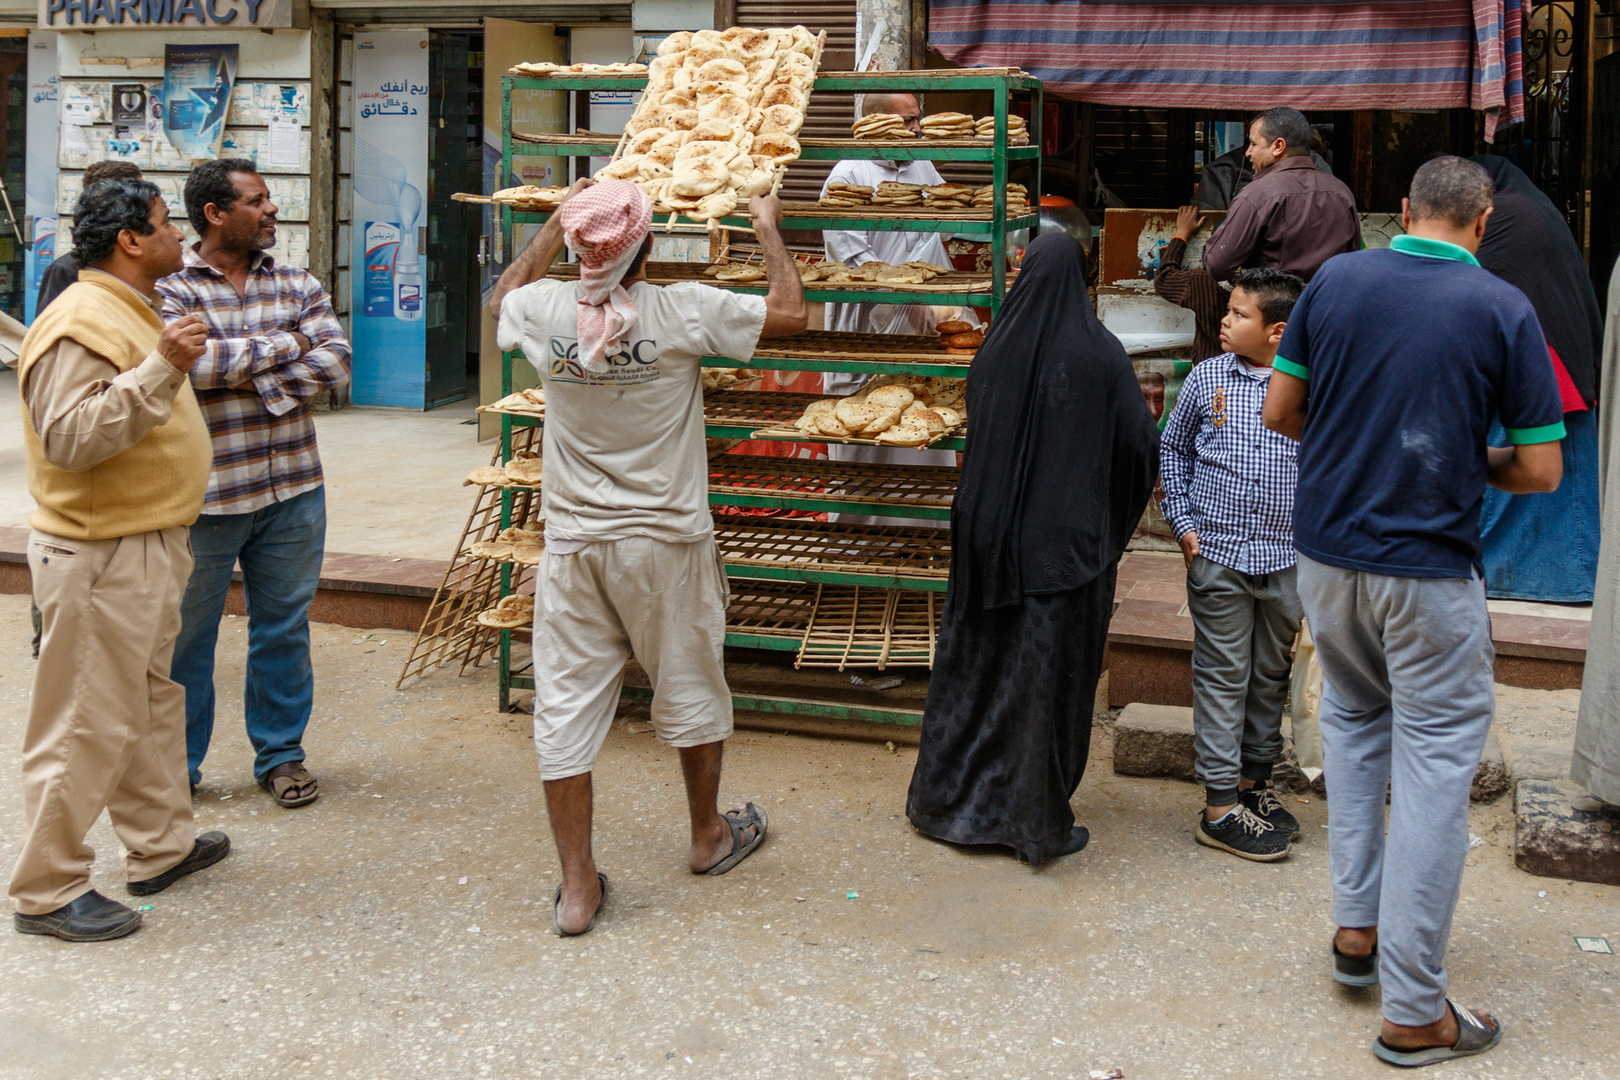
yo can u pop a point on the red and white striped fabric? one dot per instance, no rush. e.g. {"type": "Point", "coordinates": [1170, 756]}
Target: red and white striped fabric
{"type": "Point", "coordinates": [604, 225]}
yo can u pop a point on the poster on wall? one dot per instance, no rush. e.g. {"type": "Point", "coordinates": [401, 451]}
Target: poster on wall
{"type": "Point", "coordinates": [197, 81]}
{"type": "Point", "coordinates": [39, 179]}
{"type": "Point", "coordinates": [390, 189]}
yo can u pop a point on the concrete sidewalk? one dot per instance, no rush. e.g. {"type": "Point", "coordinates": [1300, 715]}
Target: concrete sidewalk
{"type": "Point", "coordinates": [401, 925]}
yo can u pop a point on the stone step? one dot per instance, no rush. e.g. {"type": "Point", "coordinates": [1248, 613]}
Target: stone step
{"type": "Point", "coordinates": [1562, 832]}
{"type": "Point", "coordinates": [1157, 740]}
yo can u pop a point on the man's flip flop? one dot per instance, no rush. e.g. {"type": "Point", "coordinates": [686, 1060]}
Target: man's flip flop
{"type": "Point", "coordinates": [1473, 1037]}
{"type": "Point", "coordinates": [1355, 970]}
{"type": "Point", "coordinates": [741, 820]}
{"type": "Point", "coordinates": [556, 898]}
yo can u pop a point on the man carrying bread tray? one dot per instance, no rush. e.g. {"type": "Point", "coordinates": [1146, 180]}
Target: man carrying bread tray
{"type": "Point", "coordinates": [901, 112]}
{"type": "Point", "coordinates": [630, 563]}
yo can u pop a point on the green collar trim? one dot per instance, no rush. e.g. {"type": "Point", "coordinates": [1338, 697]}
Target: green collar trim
{"type": "Point", "coordinates": [1432, 249]}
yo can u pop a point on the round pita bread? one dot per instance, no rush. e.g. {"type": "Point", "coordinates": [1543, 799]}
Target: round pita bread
{"type": "Point", "coordinates": [682, 120]}
{"type": "Point", "coordinates": [782, 94]}
{"type": "Point", "coordinates": [905, 435]}
{"type": "Point", "coordinates": [675, 43]}
{"type": "Point", "coordinates": [729, 107]}
{"type": "Point", "coordinates": [700, 53]}
{"type": "Point", "coordinates": [645, 139]}
{"type": "Point", "coordinates": [804, 41]}
{"type": "Point", "coordinates": [780, 119]}
{"type": "Point", "coordinates": [855, 413]}
{"type": "Point", "coordinates": [714, 131]}
{"type": "Point", "coordinates": [708, 37]}
{"type": "Point", "coordinates": [696, 179]}
{"type": "Point", "coordinates": [686, 80]}
{"type": "Point", "coordinates": [829, 424]}
{"type": "Point", "coordinates": [760, 71]}
{"type": "Point", "coordinates": [722, 152]}
{"type": "Point", "coordinates": [891, 397]}
{"type": "Point", "coordinates": [652, 170]}
{"type": "Point", "coordinates": [780, 149]}
{"type": "Point", "coordinates": [759, 182]}
{"type": "Point", "coordinates": [716, 205]}
{"type": "Point", "coordinates": [754, 44]}
{"type": "Point", "coordinates": [623, 169]}
{"type": "Point", "coordinates": [724, 70]}
{"type": "Point", "coordinates": [795, 64]}
{"type": "Point", "coordinates": [664, 67]}
{"type": "Point", "coordinates": [676, 99]}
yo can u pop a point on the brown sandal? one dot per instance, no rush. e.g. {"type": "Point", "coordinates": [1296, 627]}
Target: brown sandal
{"type": "Point", "coordinates": [290, 784]}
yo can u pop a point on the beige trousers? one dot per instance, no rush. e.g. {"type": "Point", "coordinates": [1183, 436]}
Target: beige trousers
{"type": "Point", "coordinates": [106, 725]}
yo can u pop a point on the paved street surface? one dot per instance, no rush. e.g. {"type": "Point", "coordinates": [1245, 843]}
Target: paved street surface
{"type": "Point", "coordinates": [401, 925]}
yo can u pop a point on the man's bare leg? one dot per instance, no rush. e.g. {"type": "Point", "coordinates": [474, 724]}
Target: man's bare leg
{"type": "Point", "coordinates": [1443, 1032]}
{"type": "Point", "coordinates": [1357, 941]}
{"type": "Point", "coordinates": [711, 836]}
{"type": "Point", "coordinates": [568, 804]}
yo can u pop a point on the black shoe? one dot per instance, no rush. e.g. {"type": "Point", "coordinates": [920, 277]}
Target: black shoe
{"type": "Point", "coordinates": [92, 917]}
{"type": "Point", "coordinates": [208, 850]}
{"type": "Point", "coordinates": [1264, 804]}
{"type": "Point", "coordinates": [1244, 835]}
{"type": "Point", "coordinates": [1079, 837]}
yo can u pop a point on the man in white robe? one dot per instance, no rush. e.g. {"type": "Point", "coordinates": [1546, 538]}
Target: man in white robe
{"type": "Point", "coordinates": [855, 248]}
{"type": "Point", "coordinates": [1597, 732]}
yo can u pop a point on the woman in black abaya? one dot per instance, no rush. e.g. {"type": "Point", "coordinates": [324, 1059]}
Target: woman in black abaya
{"type": "Point", "coordinates": [1060, 459]}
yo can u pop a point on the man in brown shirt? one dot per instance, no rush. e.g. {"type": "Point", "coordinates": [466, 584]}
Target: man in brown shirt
{"type": "Point", "coordinates": [1193, 288]}
{"type": "Point", "coordinates": [1291, 217]}
{"type": "Point", "coordinates": [118, 458]}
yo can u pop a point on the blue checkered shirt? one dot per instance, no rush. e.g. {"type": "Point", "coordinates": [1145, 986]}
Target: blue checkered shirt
{"type": "Point", "coordinates": [1225, 476]}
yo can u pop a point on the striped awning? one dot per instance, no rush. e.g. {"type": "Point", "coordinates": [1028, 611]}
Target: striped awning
{"type": "Point", "coordinates": [1236, 54]}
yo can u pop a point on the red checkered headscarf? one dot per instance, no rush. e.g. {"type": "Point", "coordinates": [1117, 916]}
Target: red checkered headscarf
{"type": "Point", "coordinates": [604, 225]}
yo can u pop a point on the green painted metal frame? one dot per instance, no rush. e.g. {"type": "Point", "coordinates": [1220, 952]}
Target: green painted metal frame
{"type": "Point", "coordinates": [1000, 156]}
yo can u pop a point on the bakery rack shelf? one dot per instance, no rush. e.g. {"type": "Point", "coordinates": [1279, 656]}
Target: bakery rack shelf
{"type": "Point", "coordinates": [587, 145]}
{"type": "Point", "coordinates": [833, 594]}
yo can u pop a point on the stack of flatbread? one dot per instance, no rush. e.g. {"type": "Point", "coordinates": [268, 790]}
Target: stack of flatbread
{"type": "Point", "coordinates": [947, 125]}
{"type": "Point", "coordinates": [529, 197]}
{"type": "Point", "coordinates": [893, 193]}
{"type": "Point", "coordinates": [718, 118]}
{"type": "Point", "coordinates": [896, 410]}
{"type": "Point", "coordinates": [488, 476]}
{"type": "Point", "coordinates": [509, 544]}
{"type": "Point", "coordinates": [531, 401]}
{"type": "Point", "coordinates": [839, 193]}
{"type": "Point", "coordinates": [881, 126]}
{"type": "Point", "coordinates": [1017, 129]}
{"type": "Point", "coordinates": [960, 338]}
{"type": "Point", "coordinates": [524, 469]}
{"type": "Point", "coordinates": [542, 69]}
{"type": "Point", "coordinates": [512, 613]}
{"type": "Point", "coordinates": [948, 196]}
{"type": "Point", "coordinates": [1017, 196]}
{"type": "Point", "coordinates": [721, 379]}
{"type": "Point", "coordinates": [879, 273]}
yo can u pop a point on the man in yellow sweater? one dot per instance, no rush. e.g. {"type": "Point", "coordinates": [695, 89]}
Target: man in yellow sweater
{"type": "Point", "coordinates": [118, 459]}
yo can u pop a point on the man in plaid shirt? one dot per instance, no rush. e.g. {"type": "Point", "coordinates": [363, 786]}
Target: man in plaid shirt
{"type": "Point", "coordinates": [1229, 496]}
{"type": "Point", "coordinates": [273, 342]}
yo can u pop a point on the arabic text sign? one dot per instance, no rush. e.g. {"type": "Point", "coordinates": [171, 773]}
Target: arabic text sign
{"type": "Point", "coordinates": [141, 14]}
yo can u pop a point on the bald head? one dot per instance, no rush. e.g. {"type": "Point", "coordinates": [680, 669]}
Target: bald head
{"type": "Point", "coordinates": [902, 105]}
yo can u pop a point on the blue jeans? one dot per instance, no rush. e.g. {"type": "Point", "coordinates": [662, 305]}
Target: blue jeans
{"type": "Point", "coordinates": [280, 549]}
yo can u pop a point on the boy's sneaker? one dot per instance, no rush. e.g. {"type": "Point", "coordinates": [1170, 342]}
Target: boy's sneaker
{"type": "Point", "coordinates": [1243, 834]}
{"type": "Point", "coordinates": [1264, 804]}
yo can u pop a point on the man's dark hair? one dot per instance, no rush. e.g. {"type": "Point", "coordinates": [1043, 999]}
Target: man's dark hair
{"type": "Point", "coordinates": [111, 170]}
{"type": "Point", "coordinates": [1277, 290]}
{"type": "Point", "coordinates": [210, 182]}
{"type": "Point", "coordinates": [106, 209]}
{"type": "Point", "coordinates": [640, 259]}
{"type": "Point", "coordinates": [1450, 189]}
{"type": "Point", "coordinates": [1289, 125]}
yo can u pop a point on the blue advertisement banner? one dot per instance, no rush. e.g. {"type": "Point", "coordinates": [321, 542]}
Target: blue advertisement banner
{"type": "Point", "coordinates": [197, 81]}
{"type": "Point", "coordinates": [39, 179]}
{"type": "Point", "coordinates": [390, 185]}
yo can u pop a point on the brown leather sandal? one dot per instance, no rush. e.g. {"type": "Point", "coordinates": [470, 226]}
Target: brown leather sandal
{"type": "Point", "coordinates": [290, 784]}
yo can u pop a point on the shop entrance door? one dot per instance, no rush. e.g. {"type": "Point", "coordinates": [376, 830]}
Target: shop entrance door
{"type": "Point", "coordinates": [450, 284]}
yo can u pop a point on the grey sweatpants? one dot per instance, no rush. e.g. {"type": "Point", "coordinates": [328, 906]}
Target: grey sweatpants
{"type": "Point", "coordinates": [1245, 627]}
{"type": "Point", "coordinates": [1407, 703]}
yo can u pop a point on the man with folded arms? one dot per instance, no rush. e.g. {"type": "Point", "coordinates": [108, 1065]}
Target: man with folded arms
{"type": "Point", "coordinates": [1392, 367]}
{"type": "Point", "coordinates": [118, 458]}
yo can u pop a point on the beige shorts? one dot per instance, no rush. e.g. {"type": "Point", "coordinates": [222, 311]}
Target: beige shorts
{"type": "Point", "coordinates": [664, 602]}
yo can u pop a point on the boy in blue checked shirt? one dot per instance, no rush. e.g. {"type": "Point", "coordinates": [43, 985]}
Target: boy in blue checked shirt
{"type": "Point", "coordinates": [1229, 496]}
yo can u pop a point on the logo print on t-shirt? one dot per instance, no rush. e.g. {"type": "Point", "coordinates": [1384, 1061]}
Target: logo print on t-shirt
{"type": "Point", "coordinates": [628, 363]}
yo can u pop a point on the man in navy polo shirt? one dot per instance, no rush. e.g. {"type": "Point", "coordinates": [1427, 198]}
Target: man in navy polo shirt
{"type": "Point", "coordinates": [1389, 373]}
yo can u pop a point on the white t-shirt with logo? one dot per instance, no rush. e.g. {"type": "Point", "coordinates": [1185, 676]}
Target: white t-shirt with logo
{"type": "Point", "coordinates": [624, 450]}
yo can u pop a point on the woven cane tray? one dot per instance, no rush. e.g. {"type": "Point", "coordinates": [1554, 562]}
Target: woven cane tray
{"type": "Point", "coordinates": [842, 481]}
{"type": "Point", "coordinates": [668, 273]}
{"type": "Point", "coordinates": [804, 546]}
{"type": "Point", "coordinates": [847, 345]}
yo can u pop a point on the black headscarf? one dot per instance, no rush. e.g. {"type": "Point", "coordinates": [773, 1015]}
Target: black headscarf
{"type": "Point", "coordinates": [1061, 449]}
{"type": "Point", "coordinates": [1528, 244]}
